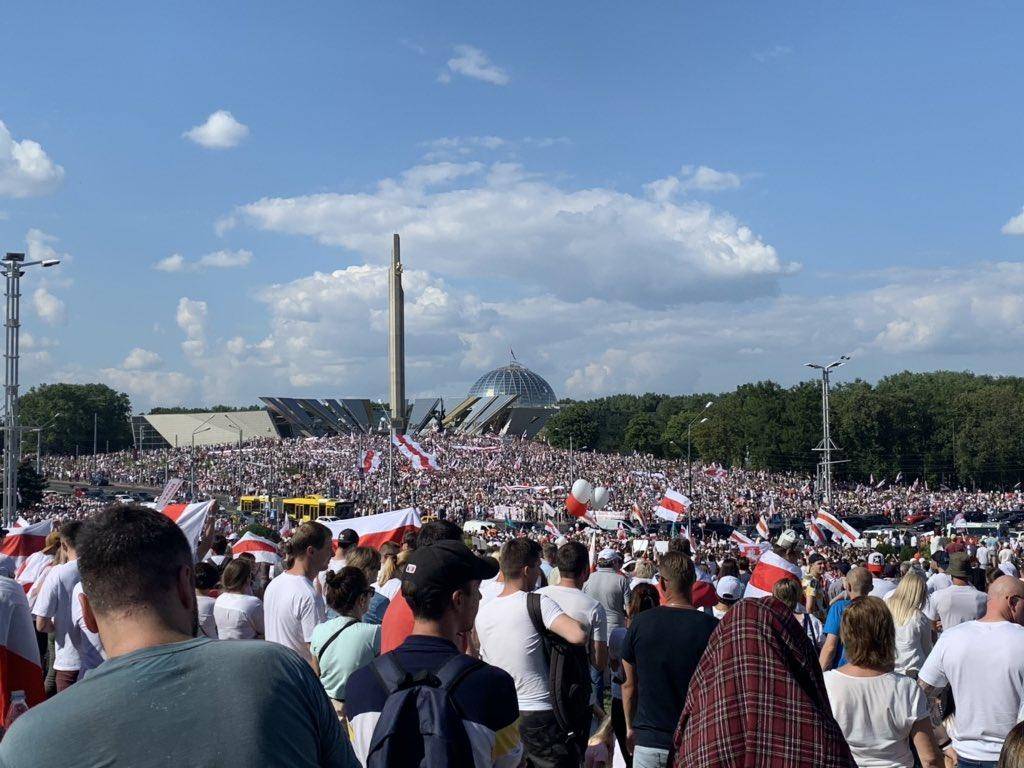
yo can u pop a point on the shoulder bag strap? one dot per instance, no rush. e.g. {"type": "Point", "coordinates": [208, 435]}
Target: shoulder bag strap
{"type": "Point", "coordinates": [332, 638]}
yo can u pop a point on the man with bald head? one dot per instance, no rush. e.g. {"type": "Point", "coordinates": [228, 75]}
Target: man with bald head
{"type": "Point", "coordinates": [858, 582]}
{"type": "Point", "coordinates": [983, 662]}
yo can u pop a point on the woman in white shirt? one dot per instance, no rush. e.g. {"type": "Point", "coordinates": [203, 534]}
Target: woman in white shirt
{"type": "Point", "coordinates": [879, 711]}
{"type": "Point", "coordinates": [238, 614]}
{"type": "Point", "coordinates": [914, 633]}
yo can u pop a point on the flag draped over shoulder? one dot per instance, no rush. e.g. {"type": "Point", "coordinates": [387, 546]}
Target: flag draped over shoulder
{"type": "Point", "coordinates": [770, 569]}
{"type": "Point", "coordinates": [190, 518]}
{"type": "Point", "coordinates": [20, 669]}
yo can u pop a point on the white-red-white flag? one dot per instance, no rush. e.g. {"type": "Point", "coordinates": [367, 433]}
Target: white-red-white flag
{"type": "Point", "coordinates": [815, 532]}
{"type": "Point", "coordinates": [264, 550]}
{"type": "Point", "coordinates": [844, 531]}
{"type": "Point", "coordinates": [673, 507]}
{"type": "Point", "coordinates": [35, 565]}
{"type": "Point", "coordinates": [740, 539]}
{"type": "Point", "coordinates": [24, 541]}
{"type": "Point", "coordinates": [20, 668]}
{"type": "Point", "coordinates": [762, 528]}
{"type": "Point", "coordinates": [190, 518]}
{"type": "Point", "coordinates": [369, 462]}
{"type": "Point", "coordinates": [374, 530]}
{"type": "Point", "coordinates": [286, 529]}
{"type": "Point", "coordinates": [414, 452]}
{"type": "Point", "coordinates": [770, 569]}
{"type": "Point", "coordinates": [552, 529]}
{"type": "Point", "coordinates": [549, 511]}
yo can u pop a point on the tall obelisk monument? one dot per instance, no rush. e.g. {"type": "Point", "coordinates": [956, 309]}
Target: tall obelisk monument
{"type": "Point", "coordinates": [396, 338]}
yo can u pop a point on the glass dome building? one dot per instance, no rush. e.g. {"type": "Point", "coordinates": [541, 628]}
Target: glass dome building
{"type": "Point", "coordinates": [514, 379]}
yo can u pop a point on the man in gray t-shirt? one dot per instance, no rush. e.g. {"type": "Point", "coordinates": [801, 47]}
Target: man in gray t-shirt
{"type": "Point", "coordinates": [609, 587]}
{"type": "Point", "coordinates": [165, 697]}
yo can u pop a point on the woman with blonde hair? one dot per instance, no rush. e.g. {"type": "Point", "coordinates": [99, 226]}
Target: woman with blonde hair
{"type": "Point", "coordinates": [914, 635]}
{"type": "Point", "coordinates": [389, 580]}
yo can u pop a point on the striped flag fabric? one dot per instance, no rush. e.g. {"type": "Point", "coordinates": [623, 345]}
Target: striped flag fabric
{"type": "Point", "coordinates": [673, 507]}
{"type": "Point", "coordinates": [20, 668]}
{"type": "Point", "coordinates": [414, 452]}
{"type": "Point", "coordinates": [552, 529]}
{"type": "Point", "coordinates": [842, 530]}
{"type": "Point", "coordinates": [24, 541]}
{"type": "Point", "coordinates": [286, 529]}
{"type": "Point", "coordinates": [740, 539]}
{"type": "Point", "coordinates": [771, 568]}
{"type": "Point", "coordinates": [264, 550]}
{"type": "Point", "coordinates": [815, 532]}
{"type": "Point", "coordinates": [374, 530]}
{"type": "Point", "coordinates": [32, 569]}
{"type": "Point", "coordinates": [762, 528]}
{"type": "Point", "coordinates": [369, 462]}
{"type": "Point", "coordinates": [190, 518]}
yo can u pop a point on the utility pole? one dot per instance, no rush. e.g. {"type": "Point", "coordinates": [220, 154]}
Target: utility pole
{"type": "Point", "coordinates": [826, 446]}
{"type": "Point", "coordinates": [13, 266]}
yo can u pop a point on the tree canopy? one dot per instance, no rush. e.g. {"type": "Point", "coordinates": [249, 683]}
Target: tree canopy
{"type": "Point", "coordinates": [65, 413]}
{"type": "Point", "coordinates": [943, 427]}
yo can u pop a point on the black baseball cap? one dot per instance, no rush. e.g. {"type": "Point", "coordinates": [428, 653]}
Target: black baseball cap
{"type": "Point", "coordinates": [815, 558]}
{"type": "Point", "coordinates": [445, 566]}
{"type": "Point", "coordinates": [348, 538]}
{"type": "Point", "coordinates": [941, 559]}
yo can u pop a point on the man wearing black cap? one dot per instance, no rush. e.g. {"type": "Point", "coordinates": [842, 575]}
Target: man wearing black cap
{"type": "Point", "coordinates": [347, 540]}
{"type": "Point", "coordinates": [441, 585]}
{"type": "Point", "coordinates": [939, 578]}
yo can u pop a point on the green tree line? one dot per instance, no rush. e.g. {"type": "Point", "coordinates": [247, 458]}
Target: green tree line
{"type": "Point", "coordinates": [943, 427]}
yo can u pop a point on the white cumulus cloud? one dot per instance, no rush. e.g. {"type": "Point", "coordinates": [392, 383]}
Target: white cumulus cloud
{"type": "Point", "coordinates": [216, 260]}
{"type": "Point", "coordinates": [140, 359]}
{"type": "Point", "coordinates": [173, 263]}
{"type": "Point", "coordinates": [50, 309]}
{"type": "Point", "coordinates": [25, 168]}
{"type": "Point", "coordinates": [220, 131]}
{"type": "Point", "coordinates": [465, 220]}
{"type": "Point", "coordinates": [690, 179]}
{"type": "Point", "coordinates": [471, 62]}
{"type": "Point", "coordinates": [1015, 226]}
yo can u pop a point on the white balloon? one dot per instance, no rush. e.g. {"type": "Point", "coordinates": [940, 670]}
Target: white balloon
{"type": "Point", "coordinates": [600, 497]}
{"type": "Point", "coordinates": [583, 491]}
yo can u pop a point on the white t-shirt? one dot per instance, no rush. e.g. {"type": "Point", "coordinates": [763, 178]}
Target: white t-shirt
{"type": "Point", "coordinates": [207, 625]}
{"type": "Point", "coordinates": [585, 609]}
{"type": "Point", "coordinates": [881, 587]}
{"type": "Point", "coordinates": [509, 640]}
{"type": "Point", "coordinates": [217, 560]}
{"type": "Point", "coordinates": [291, 611]}
{"type": "Point", "coordinates": [876, 715]}
{"type": "Point", "coordinates": [321, 578]}
{"type": "Point", "coordinates": [913, 642]}
{"type": "Point", "coordinates": [983, 556]}
{"type": "Point", "coordinates": [490, 589]}
{"type": "Point", "coordinates": [957, 604]}
{"type": "Point", "coordinates": [938, 581]}
{"type": "Point", "coordinates": [54, 602]}
{"type": "Point", "coordinates": [238, 617]}
{"type": "Point", "coordinates": [389, 588]}
{"type": "Point", "coordinates": [983, 662]}
{"type": "Point", "coordinates": [87, 643]}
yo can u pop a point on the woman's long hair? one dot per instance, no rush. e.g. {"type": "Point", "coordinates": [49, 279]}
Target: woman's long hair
{"type": "Point", "coordinates": [908, 598]}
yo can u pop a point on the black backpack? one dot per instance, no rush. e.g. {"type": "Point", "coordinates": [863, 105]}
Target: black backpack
{"type": "Point", "coordinates": [421, 723]}
{"type": "Point", "coordinates": [568, 678]}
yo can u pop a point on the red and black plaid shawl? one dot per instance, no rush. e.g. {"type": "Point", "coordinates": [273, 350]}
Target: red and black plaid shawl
{"type": "Point", "coordinates": [757, 699]}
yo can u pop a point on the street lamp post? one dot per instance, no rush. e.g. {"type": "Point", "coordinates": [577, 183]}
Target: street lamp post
{"type": "Point", "coordinates": [826, 446]}
{"type": "Point", "coordinates": [14, 265]}
{"type": "Point", "coordinates": [39, 442]}
{"type": "Point", "coordinates": [192, 462]}
{"type": "Point", "coordinates": [699, 418]}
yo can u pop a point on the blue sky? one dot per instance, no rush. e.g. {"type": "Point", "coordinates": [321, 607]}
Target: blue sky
{"type": "Point", "coordinates": [667, 197]}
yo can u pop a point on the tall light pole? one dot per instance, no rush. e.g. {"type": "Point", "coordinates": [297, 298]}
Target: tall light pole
{"type": "Point", "coordinates": [826, 446]}
{"type": "Point", "coordinates": [192, 469]}
{"type": "Point", "coordinates": [699, 418]}
{"type": "Point", "coordinates": [14, 265]}
{"type": "Point", "coordinates": [39, 441]}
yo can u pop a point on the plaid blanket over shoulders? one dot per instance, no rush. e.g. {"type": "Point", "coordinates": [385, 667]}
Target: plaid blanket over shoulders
{"type": "Point", "coordinates": [757, 699]}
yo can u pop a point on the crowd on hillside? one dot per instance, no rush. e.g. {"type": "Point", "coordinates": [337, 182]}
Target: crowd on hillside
{"type": "Point", "coordinates": [476, 475]}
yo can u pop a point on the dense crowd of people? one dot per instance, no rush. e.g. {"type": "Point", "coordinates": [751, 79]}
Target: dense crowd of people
{"type": "Point", "coordinates": [504, 646]}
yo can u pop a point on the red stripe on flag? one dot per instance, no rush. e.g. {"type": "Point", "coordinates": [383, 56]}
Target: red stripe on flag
{"type": "Point", "coordinates": [672, 506]}
{"type": "Point", "coordinates": [382, 537]}
{"type": "Point", "coordinates": [766, 575]}
{"type": "Point", "coordinates": [19, 674]}
{"type": "Point", "coordinates": [252, 546]}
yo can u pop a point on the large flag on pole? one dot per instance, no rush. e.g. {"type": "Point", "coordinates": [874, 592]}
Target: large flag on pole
{"type": "Point", "coordinates": [740, 539]}
{"type": "Point", "coordinates": [190, 518]}
{"type": "Point", "coordinates": [24, 541]}
{"type": "Point", "coordinates": [374, 530]}
{"type": "Point", "coordinates": [264, 550]}
{"type": "Point", "coordinates": [771, 568]}
{"type": "Point", "coordinates": [762, 528]}
{"type": "Point", "coordinates": [369, 462]}
{"type": "Point", "coordinates": [414, 452]}
{"type": "Point", "coordinates": [815, 532]}
{"type": "Point", "coordinates": [842, 530]}
{"type": "Point", "coordinates": [20, 669]}
{"type": "Point", "coordinates": [673, 507]}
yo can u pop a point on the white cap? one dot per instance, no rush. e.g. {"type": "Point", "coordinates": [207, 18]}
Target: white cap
{"type": "Point", "coordinates": [729, 588]}
{"type": "Point", "coordinates": [787, 538]}
{"type": "Point", "coordinates": [875, 558]}
{"type": "Point", "coordinates": [608, 554]}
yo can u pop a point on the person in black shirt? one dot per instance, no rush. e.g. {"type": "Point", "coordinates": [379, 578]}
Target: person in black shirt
{"type": "Point", "coordinates": [660, 655]}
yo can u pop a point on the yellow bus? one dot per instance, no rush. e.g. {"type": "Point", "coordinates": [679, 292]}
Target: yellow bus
{"type": "Point", "coordinates": [253, 503]}
{"type": "Point", "coordinates": [306, 508]}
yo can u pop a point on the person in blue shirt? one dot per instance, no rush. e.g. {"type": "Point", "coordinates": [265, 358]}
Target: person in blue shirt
{"type": "Point", "coordinates": [858, 584]}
